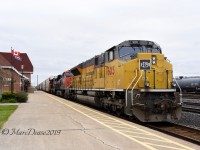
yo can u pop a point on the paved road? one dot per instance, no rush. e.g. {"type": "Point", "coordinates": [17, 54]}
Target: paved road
{"type": "Point", "coordinates": [49, 122]}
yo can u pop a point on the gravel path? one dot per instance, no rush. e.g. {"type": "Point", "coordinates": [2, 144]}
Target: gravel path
{"type": "Point", "coordinates": [189, 119]}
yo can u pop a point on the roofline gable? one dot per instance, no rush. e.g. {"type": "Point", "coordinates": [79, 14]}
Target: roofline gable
{"type": "Point", "coordinates": [11, 67]}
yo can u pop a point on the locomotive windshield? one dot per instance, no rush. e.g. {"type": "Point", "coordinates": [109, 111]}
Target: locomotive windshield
{"type": "Point", "coordinates": [131, 51]}
{"type": "Point", "coordinates": [124, 51]}
{"type": "Point", "coordinates": [68, 74]}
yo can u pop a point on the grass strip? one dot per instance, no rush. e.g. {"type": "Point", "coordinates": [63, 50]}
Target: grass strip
{"type": "Point", "coordinates": [5, 112]}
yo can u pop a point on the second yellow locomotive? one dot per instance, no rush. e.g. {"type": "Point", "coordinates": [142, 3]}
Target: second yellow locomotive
{"type": "Point", "coordinates": [133, 78]}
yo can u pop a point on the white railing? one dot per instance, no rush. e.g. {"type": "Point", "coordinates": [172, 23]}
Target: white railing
{"type": "Point", "coordinates": [135, 86]}
{"type": "Point", "coordinates": [129, 86]}
{"type": "Point", "coordinates": [180, 91]}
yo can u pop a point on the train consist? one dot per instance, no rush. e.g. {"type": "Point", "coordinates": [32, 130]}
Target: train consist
{"type": "Point", "coordinates": [133, 78]}
{"type": "Point", "coordinates": [189, 84]}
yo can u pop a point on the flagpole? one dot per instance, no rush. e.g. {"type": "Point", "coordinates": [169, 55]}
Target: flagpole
{"type": "Point", "coordinates": [12, 75]}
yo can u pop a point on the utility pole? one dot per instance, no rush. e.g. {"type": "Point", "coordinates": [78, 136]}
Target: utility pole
{"type": "Point", "coordinates": [37, 82]}
{"type": "Point", "coordinates": [22, 68]}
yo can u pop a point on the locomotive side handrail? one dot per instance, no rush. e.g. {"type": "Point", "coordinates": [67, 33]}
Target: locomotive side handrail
{"type": "Point", "coordinates": [180, 91]}
{"type": "Point", "coordinates": [130, 85]}
{"type": "Point", "coordinates": [135, 85]}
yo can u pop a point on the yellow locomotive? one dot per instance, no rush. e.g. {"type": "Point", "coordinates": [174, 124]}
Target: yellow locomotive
{"type": "Point", "coordinates": [133, 78]}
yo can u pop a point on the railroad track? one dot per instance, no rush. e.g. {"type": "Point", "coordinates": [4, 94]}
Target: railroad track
{"type": "Point", "coordinates": [179, 131]}
{"type": "Point", "coordinates": [191, 107]}
{"type": "Point", "coordinates": [191, 95]}
{"type": "Point", "coordinates": [191, 103]}
{"type": "Point", "coordinates": [182, 132]}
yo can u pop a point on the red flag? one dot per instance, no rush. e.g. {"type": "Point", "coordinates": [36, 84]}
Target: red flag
{"type": "Point", "coordinates": [16, 55]}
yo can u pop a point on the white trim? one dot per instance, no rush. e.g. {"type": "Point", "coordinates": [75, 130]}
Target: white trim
{"type": "Point", "coordinates": [121, 90]}
{"type": "Point", "coordinates": [78, 89]}
{"type": "Point", "coordinates": [129, 87]}
{"type": "Point", "coordinates": [26, 72]}
{"type": "Point", "coordinates": [141, 71]}
{"type": "Point", "coordinates": [10, 67]}
{"type": "Point", "coordinates": [181, 100]}
{"type": "Point", "coordinates": [158, 90]}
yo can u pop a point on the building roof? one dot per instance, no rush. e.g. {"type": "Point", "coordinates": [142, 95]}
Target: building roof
{"type": "Point", "coordinates": [6, 59]}
{"type": "Point", "coordinates": [3, 61]}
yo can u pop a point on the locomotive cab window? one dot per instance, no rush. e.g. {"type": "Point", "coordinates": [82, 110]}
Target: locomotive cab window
{"type": "Point", "coordinates": [128, 53]}
{"type": "Point", "coordinates": [96, 61]}
{"type": "Point", "coordinates": [68, 74]}
{"type": "Point", "coordinates": [102, 59]}
{"type": "Point", "coordinates": [153, 50]}
{"type": "Point", "coordinates": [125, 51]}
{"type": "Point", "coordinates": [110, 55]}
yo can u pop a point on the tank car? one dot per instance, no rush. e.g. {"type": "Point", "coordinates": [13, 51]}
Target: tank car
{"type": "Point", "coordinates": [189, 84]}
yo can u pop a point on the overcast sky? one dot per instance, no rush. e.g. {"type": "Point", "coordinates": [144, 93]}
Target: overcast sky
{"type": "Point", "coordinates": [59, 34]}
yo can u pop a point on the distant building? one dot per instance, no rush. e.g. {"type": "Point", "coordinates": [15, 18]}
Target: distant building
{"type": "Point", "coordinates": [20, 71]}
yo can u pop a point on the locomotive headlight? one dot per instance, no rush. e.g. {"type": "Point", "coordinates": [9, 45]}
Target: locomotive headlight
{"type": "Point", "coordinates": [147, 84]}
{"type": "Point", "coordinates": [173, 84]}
{"type": "Point", "coordinates": [153, 60]}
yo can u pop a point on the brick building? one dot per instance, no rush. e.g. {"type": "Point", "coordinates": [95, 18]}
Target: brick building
{"type": "Point", "coordinates": [1, 80]}
{"type": "Point", "coordinates": [19, 71]}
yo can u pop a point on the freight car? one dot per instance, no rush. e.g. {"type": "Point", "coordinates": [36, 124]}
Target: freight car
{"type": "Point", "coordinates": [189, 84]}
{"type": "Point", "coordinates": [44, 85]}
{"type": "Point", "coordinates": [133, 78]}
{"type": "Point", "coordinates": [60, 85]}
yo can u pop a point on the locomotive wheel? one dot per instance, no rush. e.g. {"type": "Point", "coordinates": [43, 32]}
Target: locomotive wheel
{"type": "Point", "coordinates": [113, 108]}
{"type": "Point", "coordinates": [119, 111]}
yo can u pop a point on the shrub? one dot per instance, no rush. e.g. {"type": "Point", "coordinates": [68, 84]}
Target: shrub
{"type": "Point", "coordinates": [11, 100]}
{"type": "Point", "coordinates": [8, 95]}
{"type": "Point", "coordinates": [22, 97]}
